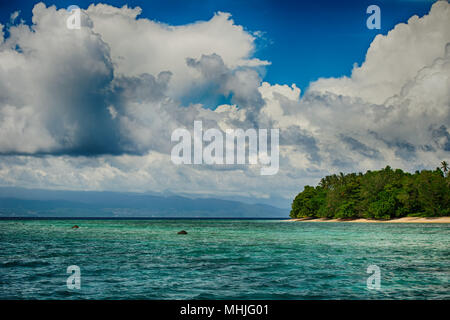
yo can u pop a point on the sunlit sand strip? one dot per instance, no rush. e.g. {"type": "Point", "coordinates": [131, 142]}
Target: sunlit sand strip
{"type": "Point", "coordinates": [400, 220]}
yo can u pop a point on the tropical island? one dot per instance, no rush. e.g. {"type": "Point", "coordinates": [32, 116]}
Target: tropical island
{"type": "Point", "coordinates": [381, 195]}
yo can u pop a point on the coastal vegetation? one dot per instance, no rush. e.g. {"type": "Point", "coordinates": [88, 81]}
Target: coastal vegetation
{"type": "Point", "coordinates": [383, 194]}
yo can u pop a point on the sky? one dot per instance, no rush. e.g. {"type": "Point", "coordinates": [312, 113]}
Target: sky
{"type": "Point", "coordinates": [297, 35]}
{"type": "Point", "coordinates": [94, 108]}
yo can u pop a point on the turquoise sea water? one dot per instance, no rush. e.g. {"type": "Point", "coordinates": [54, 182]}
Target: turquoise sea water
{"type": "Point", "coordinates": [222, 259]}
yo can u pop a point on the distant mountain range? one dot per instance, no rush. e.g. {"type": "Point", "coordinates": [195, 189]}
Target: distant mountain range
{"type": "Point", "coordinates": [20, 202]}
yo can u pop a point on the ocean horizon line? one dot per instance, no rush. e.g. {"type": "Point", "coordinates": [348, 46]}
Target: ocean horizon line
{"type": "Point", "coordinates": [143, 218]}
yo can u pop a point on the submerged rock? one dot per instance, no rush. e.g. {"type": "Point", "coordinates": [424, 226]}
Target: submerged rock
{"type": "Point", "coordinates": [75, 227]}
{"type": "Point", "coordinates": [182, 232]}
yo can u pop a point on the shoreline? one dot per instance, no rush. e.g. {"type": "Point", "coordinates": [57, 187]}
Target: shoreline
{"type": "Point", "coordinates": [363, 220]}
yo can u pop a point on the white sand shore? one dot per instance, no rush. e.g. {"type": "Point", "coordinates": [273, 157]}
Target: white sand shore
{"type": "Point", "coordinates": [400, 220]}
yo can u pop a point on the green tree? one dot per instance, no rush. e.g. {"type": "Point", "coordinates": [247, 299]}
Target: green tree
{"type": "Point", "coordinates": [444, 167]}
{"type": "Point", "coordinates": [308, 202]}
{"type": "Point", "coordinates": [382, 194]}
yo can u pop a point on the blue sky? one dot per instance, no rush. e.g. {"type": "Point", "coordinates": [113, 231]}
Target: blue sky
{"type": "Point", "coordinates": [304, 40]}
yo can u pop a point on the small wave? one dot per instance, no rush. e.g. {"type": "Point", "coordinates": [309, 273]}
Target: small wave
{"type": "Point", "coordinates": [20, 263]}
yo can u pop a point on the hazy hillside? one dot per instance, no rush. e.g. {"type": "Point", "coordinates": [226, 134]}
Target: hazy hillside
{"type": "Point", "coordinates": [19, 202]}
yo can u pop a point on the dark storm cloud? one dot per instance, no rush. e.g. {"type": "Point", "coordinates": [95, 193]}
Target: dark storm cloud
{"type": "Point", "coordinates": [360, 147]}
{"type": "Point", "coordinates": [302, 140]}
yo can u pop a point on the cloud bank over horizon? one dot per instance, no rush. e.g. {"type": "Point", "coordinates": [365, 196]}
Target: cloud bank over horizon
{"type": "Point", "coordinates": [94, 109]}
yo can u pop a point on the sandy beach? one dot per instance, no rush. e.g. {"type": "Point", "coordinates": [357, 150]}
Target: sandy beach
{"type": "Point", "coordinates": [400, 220]}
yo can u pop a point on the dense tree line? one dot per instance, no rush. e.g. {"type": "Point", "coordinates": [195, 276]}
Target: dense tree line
{"type": "Point", "coordinates": [383, 194]}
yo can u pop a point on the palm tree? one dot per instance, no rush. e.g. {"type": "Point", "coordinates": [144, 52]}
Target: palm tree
{"type": "Point", "coordinates": [444, 166]}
